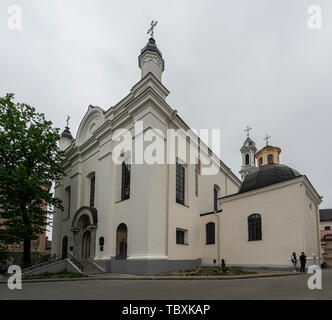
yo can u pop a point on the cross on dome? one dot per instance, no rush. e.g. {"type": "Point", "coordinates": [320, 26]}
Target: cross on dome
{"type": "Point", "coordinates": [267, 137]}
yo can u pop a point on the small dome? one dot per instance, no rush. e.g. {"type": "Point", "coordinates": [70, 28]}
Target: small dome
{"type": "Point", "coordinates": [66, 134]}
{"type": "Point", "coordinates": [151, 46]}
{"type": "Point", "coordinates": [267, 175]}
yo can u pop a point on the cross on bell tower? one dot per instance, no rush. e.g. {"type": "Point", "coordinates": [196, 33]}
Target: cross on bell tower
{"type": "Point", "coordinates": [65, 138]}
{"type": "Point", "coordinates": [151, 59]}
{"type": "Point", "coordinates": [248, 151]}
{"type": "Point", "coordinates": [67, 121]}
{"type": "Point", "coordinates": [248, 130]}
{"type": "Point", "coordinates": [151, 30]}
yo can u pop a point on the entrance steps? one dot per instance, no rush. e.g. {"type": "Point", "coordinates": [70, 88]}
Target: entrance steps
{"type": "Point", "coordinates": [89, 267]}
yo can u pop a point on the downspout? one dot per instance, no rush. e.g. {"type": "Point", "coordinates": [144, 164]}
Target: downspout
{"type": "Point", "coordinates": [167, 181]}
{"type": "Point", "coordinates": [218, 246]}
{"type": "Point", "coordinates": [302, 199]}
{"type": "Point", "coordinates": [320, 258]}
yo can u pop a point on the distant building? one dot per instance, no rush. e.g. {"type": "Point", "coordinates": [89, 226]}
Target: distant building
{"type": "Point", "coordinates": [326, 234]}
{"type": "Point", "coordinates": [40, 248]}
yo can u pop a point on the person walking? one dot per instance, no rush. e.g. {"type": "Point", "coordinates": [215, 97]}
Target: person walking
{"type": "Point", "coordinates": [223, 266]}
{"type": "Point", "coordinates": [303, 260]}
{"type": "Point", "coordinates": [294, 260]}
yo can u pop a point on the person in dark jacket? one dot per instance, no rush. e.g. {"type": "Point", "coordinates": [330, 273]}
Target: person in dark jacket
{"type": "Point", "coordinates": [303, 260]}
{"type": "Point", "coordinates": [294, 260]}
{"type": "Point", "coordinates": [223, 266]}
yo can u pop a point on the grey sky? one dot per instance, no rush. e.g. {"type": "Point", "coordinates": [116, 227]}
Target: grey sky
{"type": "Point", "coordinates": [229, 64]}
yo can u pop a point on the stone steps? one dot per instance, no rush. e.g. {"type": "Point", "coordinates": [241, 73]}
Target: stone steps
{"type": "Point", "coordinates": [90, 268]}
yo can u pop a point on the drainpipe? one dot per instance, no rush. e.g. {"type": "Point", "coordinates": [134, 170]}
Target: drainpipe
{"type": "Point", "coordinates": [167, 182]}
{"type": "Point", "coordinates": [218, 235]}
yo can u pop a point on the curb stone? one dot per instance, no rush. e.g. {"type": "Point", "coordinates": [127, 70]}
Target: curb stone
{"type": "Point", "coordinates": [90, 278]}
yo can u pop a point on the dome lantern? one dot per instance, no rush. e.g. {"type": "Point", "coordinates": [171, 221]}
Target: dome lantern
{"type": "Point", "coordinates": [268, 155]}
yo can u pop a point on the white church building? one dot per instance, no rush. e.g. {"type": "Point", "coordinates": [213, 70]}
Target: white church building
{"type": "Point", "coordinates": [150, 218]}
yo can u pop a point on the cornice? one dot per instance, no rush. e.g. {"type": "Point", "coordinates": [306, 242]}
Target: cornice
{"type": "Point", "coordinates": [271, 187]}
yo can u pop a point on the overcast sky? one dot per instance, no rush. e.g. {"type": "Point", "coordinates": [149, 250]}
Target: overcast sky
{"type": "Point", "coordinates": [229, 64]}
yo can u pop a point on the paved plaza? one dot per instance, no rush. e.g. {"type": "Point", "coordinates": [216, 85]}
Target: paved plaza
{"type": "Point", "coordinates": [286, 287]}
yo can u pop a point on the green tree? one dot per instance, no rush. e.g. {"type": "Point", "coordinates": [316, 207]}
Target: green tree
{"type": "Point", "coordinates": [30, 160]}
{"type": "Point", "coordinates": [4, 256]}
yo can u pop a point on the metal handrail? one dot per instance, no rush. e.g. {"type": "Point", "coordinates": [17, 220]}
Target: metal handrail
{"type": "Point", "coordinates": [78, 264]}
{"type": "Point", "coordinates": [54, 259]}
{"type": "Point", "coordinates": [42, 264]}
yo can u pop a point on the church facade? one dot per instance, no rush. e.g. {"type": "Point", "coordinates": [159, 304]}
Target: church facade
{"type": "Point", "coordinates": [135, 217]}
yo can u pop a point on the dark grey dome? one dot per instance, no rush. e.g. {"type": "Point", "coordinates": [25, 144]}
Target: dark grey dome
{"type": "Point", "coordinates": [267, 175]}
{"type": "Point", "coordinates": [66, 134]}
{"type": "Point", "coordinates": [151, 46]}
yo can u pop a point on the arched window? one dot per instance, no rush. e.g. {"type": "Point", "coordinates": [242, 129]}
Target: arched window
{"type": "Point", "coordinates": [260, 161]}
{"type": "Point", "coordinates": [270, 158]}
{"type": "Point", "coordinates": [125, 188]}
{"type": "Point", "coordinates": [121, 241]}
{"type": "Point", "coordinates": [92, 191]}
{"type": "Point", "coordinates": [180, 183]}
{"type": "Point", "coordinates": [216, 190]}
{"type": "Point", "coordinates": [255, 227]}
{"type": "Point", "coordinates": [101, 243]}
{"type": "Point", "coordinates": [210, 233]}
{"type": "Point", "coordinates": [247, 159]}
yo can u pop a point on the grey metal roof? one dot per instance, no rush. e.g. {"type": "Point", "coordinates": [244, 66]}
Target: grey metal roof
{"type": "Point", "coordinates": [151, 46]}
{"type": "Point", "coordinates": [325, 214]}
{"type": "Point", "coordinates": [267, 175]}
{"type": "Point", "coordinates": [66, 134]}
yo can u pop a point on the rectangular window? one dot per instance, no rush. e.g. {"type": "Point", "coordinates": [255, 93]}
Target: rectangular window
{"type": "Point", "coordinates": [215, 199]}
{"type": "Point", "coordinates": [328, 228]}
{"type": "Point", "coordinates": [180, 183]}
{"type": "Point", "coordinates": [92, 191]}
{"type": "Point", "coordinates": [125, 189]}
{"type": "Point", "coordinates": [181, 236]}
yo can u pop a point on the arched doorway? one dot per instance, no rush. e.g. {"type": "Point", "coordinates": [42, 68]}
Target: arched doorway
{"type": "Point", "coordinates": [84, 228]}
{"type": "Point", "coordinates": [121, 241]}
{"type": "Point", "coordinates": [64, 247]}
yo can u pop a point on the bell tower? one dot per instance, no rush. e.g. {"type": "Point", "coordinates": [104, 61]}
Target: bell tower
{"type": "Point", "coordinates": [65, 138]}
{"type": "Point", "coordinates": [151, 59]}
{"type": "Point", "coordinates": [248, 151]}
